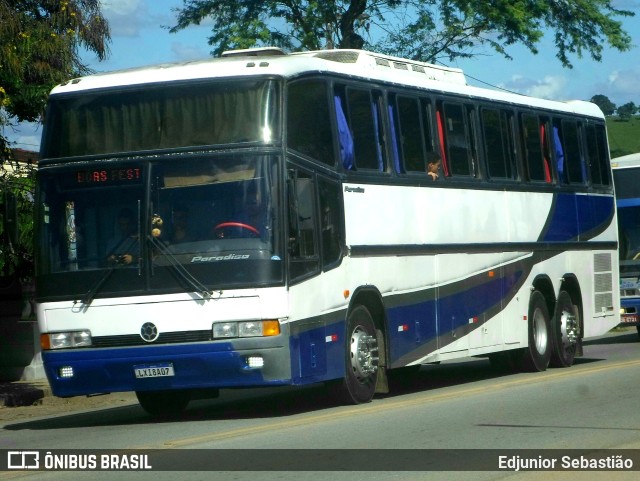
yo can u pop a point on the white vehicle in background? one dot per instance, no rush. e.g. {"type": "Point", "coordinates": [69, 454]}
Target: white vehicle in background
{"type": "Point", "coordinates": [626, 176]}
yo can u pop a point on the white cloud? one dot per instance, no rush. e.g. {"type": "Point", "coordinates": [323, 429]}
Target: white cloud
{"type": "Point", "coordinates": [622, 86]}
{"type": "Point", "coordinates": [128, 17]}
{"type": "Point", "coordinates": [120, 7]}
{"type": "Point", "coordinates": [183, 52]}
{"type": "Point", "coordinates": [551, 87]}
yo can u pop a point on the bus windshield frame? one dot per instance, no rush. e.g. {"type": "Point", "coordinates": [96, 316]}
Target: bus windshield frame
{"type": "Point", "coordinates": [121, 228]}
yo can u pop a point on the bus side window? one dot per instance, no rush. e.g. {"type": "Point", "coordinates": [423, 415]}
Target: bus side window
{"type": "Point", "coordinates": [308, 120]}
{"type": "Point", "coordinates": [412, 129]}
{"type": "Point", "coordinates": [567, 149]}
{"type": "Point", "coordinates": [458, 142]}
{"type": "Point", "coordinates": [603, 155]}
{"type": "Point", "coordinates": [473, 139]}
{"type": "Point", "coordinates": [365, 123]}
{"type": "Point", "coordinates": [592, 155]}
{"type": "Point", "coordinates": [303, 248]}
{"type": "Point", "coordinates": [496, 143]}
{"type": "Point", "coordinates": [598, 154]}
{"type": "Point", "coordinates": [331, 226]}
{"type": "Point", "coordinates": [534, 140]}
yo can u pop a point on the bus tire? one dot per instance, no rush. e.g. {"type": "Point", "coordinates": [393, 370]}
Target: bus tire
{"type": "Point", "coordinates": [361, 359]}
{"type": "Point", "coordinates": [564, 331]}
{"type": "Point", "coordinates": [164, 403]}
{"type": "Point", "coordinates": [536, 355]}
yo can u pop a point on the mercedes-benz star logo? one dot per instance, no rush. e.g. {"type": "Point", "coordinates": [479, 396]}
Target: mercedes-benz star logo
{"type": "Point", "coordinates": [149, 332]}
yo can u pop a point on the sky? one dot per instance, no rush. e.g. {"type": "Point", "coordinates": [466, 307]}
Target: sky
{"type": "Point", "coordinates": [140, 37]}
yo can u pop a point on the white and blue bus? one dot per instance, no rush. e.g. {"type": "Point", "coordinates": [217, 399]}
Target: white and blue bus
{"type": "Point", "coordinates": [270, 219]}
{"type": "Point", "coordinates": [626, 176]}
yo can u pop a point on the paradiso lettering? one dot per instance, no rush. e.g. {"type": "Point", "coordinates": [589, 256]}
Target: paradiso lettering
{"type": "Point", "coordinates": [228, 257]}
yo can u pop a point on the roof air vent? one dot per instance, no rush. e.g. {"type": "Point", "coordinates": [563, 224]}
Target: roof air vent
{"type": "Point", "coordinates": [254, 52]}
{"type": "Point", "coordinates": [338, 56]}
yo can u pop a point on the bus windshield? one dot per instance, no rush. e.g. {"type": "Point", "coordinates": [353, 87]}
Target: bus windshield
{"type": "Point", "coordinates": [627, 183]}
{"type": "Point", "coordinates": [157, 117]}
{"type": "Point", "coordinates": [209, 218]}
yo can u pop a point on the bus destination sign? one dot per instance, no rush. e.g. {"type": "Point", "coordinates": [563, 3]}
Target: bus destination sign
{"type": "Point", "coordinates": [85, 178]}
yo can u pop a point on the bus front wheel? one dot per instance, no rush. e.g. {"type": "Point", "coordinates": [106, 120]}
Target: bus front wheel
{"type": "Point", "coordinates": [361, 359]}
{"type": "Point", "coordinates": [164, 403]}
{"type": "Point", "coordinates": [537, 354]}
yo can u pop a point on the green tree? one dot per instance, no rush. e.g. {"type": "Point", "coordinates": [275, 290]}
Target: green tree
{"type": "Point", "coordinates": [39, 47]}
{"type": "Point", "coordinates": [626, 111]}
{"type": "Point", "coordinates": [606, 105]}
{"type": "Point", "coordinates": [427, 30]}
{"type": "Point", "coordinates": [17, 181]}
{"type": "Point", "coordinates": [40, 42]}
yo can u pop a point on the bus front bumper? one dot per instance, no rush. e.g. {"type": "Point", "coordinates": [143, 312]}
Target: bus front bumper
{"type": "Point", "coordinates": [629, 312]}
{"type": "Point", "coordinates": [241, 363]}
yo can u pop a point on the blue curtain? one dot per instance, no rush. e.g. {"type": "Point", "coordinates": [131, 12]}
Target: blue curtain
{"type": "Point", "coordinates": [376, 133]}
{"type": "Point", "coordinates": [559, 154]}
{"type": "Point", "coordinates": [394, 141]}
{"type": "Point", "coordinates": [344, 136]}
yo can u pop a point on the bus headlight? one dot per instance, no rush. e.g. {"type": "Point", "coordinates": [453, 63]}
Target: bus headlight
{"type": "Point", "coordinates": [222, 330]}
{"type": "Point", "coordinates": [250, 329]}
{"type": "Point", "coordinates": [65, 340]}
{"type": "Point", "coordinates": [225, 329]}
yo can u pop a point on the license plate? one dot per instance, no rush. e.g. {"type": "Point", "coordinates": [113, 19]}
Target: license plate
{"type": "Point", "coordinates": [629, 318]}
{"type": "Point", "coordinates": [154, 370]}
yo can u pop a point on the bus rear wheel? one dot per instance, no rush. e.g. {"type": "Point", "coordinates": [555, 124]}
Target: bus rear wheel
{"type": "Point", "coordinates": [361, 359]}
{"type": "Point", "coordinates": [164, 403]}
{"type": "Point", "coordinates": [564, 331]}
{"type": "Point", "coordinates": [536, 356]}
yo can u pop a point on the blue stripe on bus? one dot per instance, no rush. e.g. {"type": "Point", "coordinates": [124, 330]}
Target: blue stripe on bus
{"type": "Point", "coordinates": [416, 330]}
{"type": "Point", "coordinates": [576, 217]}
{"type": "Point", "coordinates": [633, 202]}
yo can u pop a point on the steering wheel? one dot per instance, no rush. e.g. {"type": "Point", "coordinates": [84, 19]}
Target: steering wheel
{"type": "Point", "coordinates": [248, 227]}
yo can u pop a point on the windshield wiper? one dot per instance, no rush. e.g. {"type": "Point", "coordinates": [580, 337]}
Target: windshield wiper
{"type": "Point", "coordinates": [91, 293]}
{"type": "Point", "coordinates": [184, 274]}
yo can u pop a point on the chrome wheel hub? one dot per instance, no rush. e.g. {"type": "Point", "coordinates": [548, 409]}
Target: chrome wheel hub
{"type": "Point", "coordinates": [568, 328]}
{"type": "Point", "coordinates": [364, 353]}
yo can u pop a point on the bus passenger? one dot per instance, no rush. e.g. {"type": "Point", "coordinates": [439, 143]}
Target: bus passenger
{"type": "Point", "coordinates": [180, 229]}
{"type": "Point", "coordinates": [433, 167]}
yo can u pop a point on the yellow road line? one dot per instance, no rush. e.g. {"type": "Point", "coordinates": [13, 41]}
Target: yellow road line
{"type": "Point", "coordinates": [386, 404]}
{"type": "Point", "coordinates": [367, 409]}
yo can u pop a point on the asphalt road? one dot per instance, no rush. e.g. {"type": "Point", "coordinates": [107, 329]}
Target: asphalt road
{"type": "Point", "coordinates": [455, 406]}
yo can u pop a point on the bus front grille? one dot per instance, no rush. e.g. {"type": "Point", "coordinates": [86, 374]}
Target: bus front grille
{"type": "Point", "coordinates": [163, 338]}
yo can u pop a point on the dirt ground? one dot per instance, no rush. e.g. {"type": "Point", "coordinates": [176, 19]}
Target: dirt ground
{"type": "Point", "coordinates": [50, 405]}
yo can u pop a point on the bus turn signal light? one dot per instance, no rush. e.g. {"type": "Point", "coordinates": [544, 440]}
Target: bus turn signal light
{"type": "Point", "coordinates": [270, 328]}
